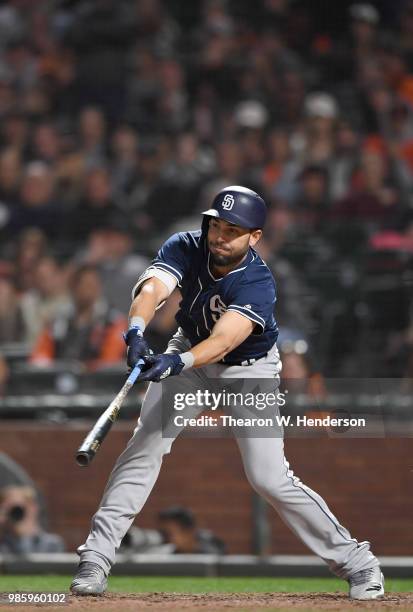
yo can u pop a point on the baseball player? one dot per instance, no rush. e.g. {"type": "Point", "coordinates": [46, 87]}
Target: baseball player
{"type": "Point", "coordinates": [226, 330]}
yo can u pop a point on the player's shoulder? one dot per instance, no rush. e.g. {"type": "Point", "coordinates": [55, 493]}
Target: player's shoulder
{"type": "Point", "coordinates": [253, 276]}
{"type": "Point", "coordinates": [186, 240]}
{"type": "Point", "coordinates": [257, 270]}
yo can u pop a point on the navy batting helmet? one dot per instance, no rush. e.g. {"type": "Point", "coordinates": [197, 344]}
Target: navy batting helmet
{"type": "Point", "coordinates": [240, 206]}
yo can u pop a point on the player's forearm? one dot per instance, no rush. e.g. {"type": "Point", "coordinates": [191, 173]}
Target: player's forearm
{"type": "Point", "coordinates": [145, 303]}
{"type": "Point", "coordinates": [211, 350]}
{"type": "Point", "coordinates": [228, 333]}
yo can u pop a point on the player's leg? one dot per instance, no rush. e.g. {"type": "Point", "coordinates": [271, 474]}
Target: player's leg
{"type": "Point", "coordinates": [301, 508]}
{"type": "Point", "coordinates": [136, 470]}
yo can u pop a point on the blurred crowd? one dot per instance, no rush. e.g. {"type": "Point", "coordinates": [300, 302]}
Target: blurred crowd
{"type": "Point", "coordinates": [121, 119]}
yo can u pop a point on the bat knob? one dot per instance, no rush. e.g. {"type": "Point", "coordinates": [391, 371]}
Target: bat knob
{"type": "Point", "coordinates": [83, 458]}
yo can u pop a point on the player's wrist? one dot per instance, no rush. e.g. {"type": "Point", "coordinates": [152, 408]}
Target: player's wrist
{"type": "Point", "coordinates": [187, 359]}
{"type": "Point", "coordinates": [136, 322]}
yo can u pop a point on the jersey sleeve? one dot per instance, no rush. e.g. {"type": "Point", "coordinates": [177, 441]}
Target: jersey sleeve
{"type": "Point", "coordinates": [168, 280]}
{"type": "Point", "coordinates": [254, 298]}
{"type": "Point", "coordinates": [173, 257]}
{"type": "Point", "coordinates": [169, 265]}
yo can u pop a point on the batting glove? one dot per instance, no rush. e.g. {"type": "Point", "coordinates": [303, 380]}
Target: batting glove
{"type": "Point", "coordinates": [137, 345]}
{"type": "Point", "coordinates": [161, 366]}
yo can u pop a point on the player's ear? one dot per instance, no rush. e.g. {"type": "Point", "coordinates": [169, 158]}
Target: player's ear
{"type": "Point", "coordinates": [255, 235]}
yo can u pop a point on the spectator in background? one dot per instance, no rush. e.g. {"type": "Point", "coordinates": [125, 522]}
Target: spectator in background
{"type": "Point", "coordinates": [311, 207]}
{"type": "Point", "coordinates": [406, 31]}
{"type": "Point", "coordinates": [396, 130]}
{"type": "Point", "coordinates": [302, 229]}
{"type": "Point", "coordinates": [251, 118]}
{"type": "Point", "coordinates": [46, 142]}
{"type": "Point", "coordinates": [183, 177]}
{"type": "Point", "coordinates": [11, 24]}
{"type": "Point", "coordinates": [229, 170]}
{"type": "Point", "coordinates": [10, 175]}
{"type": "Point", "coordinates": [92, 137]}
{"type": "Point", "coordinates": [373, 199]}
{"type": "Point", "coordinates": [280, 170]}
{"type": "Point", "coordinates": [20, 529]}
{"type": "Point", "coordinates": [346, 157]}
{"type": "Point", "coordinates": [364, 21]}
{"type": "Point", "coordinates": [36, 102]}
{"type": "Point", "coordinates": [12, 324]}
{"type": "Point", "coordinates": [15, 131]}
{"type": "Point", "coordinates": [321, 115]}
{"type": "Point", "coordinates": [297, 307]}
{"type": "Point", "coordinates": [90, 332]}
{"type": "Point", "coordinates": [8, 93]}
{"type": "Point", "coordinates": [48, 297]}
{"type": "Point", "coordinates": [21, 61]}
{"type": "Point", "coordinates": [145, 205]}
{"type": "Point", "coordinates": [110, 249]}
{"type": "Point", "coordinates": [299, 372]}
{"type": "Point", "coordinates": [173, 108]}
{"type": "Point", "coordinates": [102, 33]}
{"type": "Point", "coordinates": [230, 162]}
{"type": "Point", "coordinates": [124, 158]}
{"type": "Point", "coordinates": [143, 90]}
{"type": "Point", "coordinates": [179, 528]}
{"type": "Point", "coordinates": [396, 74]}
{"type": "Point", "coordinates": [85, 150]}
{"type": "Point", "coordinates": [400, 239]}
{"type": "Point", "coordinates": [155, 26]}
{"type": "Point", "coordinates": [37, 205]}
{"type": "Point", "coordinates": [291, 96]}
{"type": "Point", "coordinates": [95, 209]}
{"type": "Point", "coordinates": [4, 375]}
{"type": "Point", "coordinates": [177, 534]}
{"type": "Point", "coordinates": [340, 57]}
{"type": "Point", "coordinates": [32, 245]}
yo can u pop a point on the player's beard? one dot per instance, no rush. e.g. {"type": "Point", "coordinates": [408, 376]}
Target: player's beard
{"type": "Point", "coordinates": [224, 260]}
{"type": "Point", "coordinates": [221, 261]}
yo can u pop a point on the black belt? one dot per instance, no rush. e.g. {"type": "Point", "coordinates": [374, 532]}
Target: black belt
{"type": "Point", "coordinates": [245, 362]}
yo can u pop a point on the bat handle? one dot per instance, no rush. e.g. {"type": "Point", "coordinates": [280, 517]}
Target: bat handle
{"type": "Point", "coordinates": [133, 376]}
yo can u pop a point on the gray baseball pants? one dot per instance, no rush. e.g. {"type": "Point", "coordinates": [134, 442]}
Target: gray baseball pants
{"type": "Point", "coordinates": [266, 468]}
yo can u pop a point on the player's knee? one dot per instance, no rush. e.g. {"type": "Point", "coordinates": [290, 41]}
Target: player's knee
{"type": "Point", "coordinates": [149, 443]}
{"type": "Point", "coordinates": [143, 452]}
{"type": "Point", "coordinates": [270, 486]}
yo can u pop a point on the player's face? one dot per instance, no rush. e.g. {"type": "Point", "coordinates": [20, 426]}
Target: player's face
{"type": "Point", "coordinates": [228, 243]}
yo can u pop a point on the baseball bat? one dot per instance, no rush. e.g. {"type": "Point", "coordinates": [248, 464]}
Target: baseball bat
{"type": "Point", "coordinates": [95, 437]}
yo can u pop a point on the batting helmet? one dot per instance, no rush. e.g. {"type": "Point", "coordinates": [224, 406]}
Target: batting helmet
{"type": "Point", "coordinates": [240, 206]}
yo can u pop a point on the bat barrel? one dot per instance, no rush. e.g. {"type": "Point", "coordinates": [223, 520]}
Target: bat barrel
{"type": "Point", "coordinates": [94, 439]}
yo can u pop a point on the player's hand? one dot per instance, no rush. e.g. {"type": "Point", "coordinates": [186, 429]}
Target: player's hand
{"type": "Point", "coordinates": [137, 346]}
{"type": "Point", "coordinates": [161, 366]}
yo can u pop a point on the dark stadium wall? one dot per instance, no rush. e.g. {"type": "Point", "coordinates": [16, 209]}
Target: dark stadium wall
{"type": "Point", "coordinates": [366, 482]}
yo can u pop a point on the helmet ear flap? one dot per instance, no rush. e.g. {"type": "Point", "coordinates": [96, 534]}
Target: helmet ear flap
{"type": "Point", "coordinates": [205, 224]}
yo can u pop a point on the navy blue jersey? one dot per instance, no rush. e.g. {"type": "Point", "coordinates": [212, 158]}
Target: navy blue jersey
{"type": "Point", "coordinates": [249, 290]}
